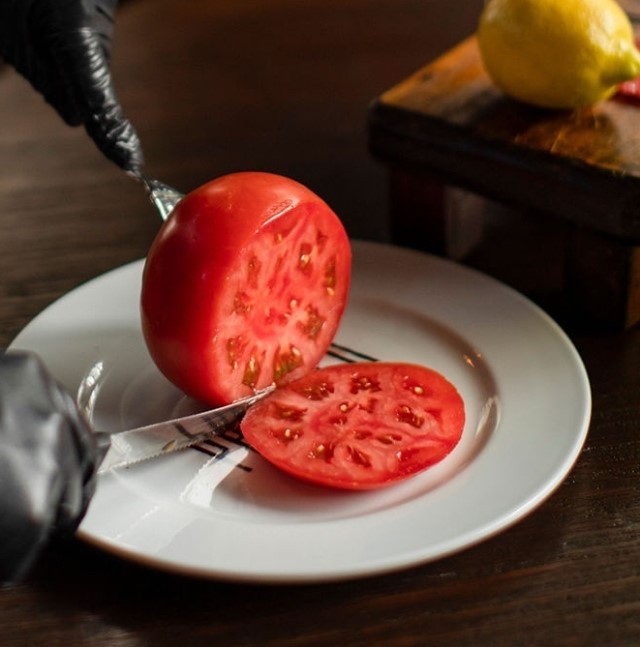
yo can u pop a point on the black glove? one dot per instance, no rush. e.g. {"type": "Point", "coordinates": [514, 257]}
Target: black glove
{"type": "Point", "coordinates": [47, 463]}
{"type": "Point", "coordinates": [63, 48]}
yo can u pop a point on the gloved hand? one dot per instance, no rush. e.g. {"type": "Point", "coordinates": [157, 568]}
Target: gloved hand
{"type": "Point", "coordinates": [63, 47]}
{"type": "Point", "coordinates": [47, 463]}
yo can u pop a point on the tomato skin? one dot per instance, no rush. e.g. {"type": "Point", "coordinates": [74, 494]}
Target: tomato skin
{"type": "Point", "coordinates": [358, 426]}
{"type": "Point", "coordinates": [221, 277]}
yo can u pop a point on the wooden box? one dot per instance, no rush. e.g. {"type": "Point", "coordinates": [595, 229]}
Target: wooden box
{"type": "Point", "coordinates": [448, 126]}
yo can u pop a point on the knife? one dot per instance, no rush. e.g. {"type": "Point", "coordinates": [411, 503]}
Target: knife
{"type": "Point", "coordinates": [126, 448]}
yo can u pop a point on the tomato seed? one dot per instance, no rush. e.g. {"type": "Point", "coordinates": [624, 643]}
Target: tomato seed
{"type": "Point", "coordinates": [285, 412]}
{"type": "Point", "coordinates": [284, 363]}
{"type": "Point", "coordinates": [406, 414]}
{"type": "Point", "coordinates": [359, 457]}
{"type": "Point", "coordinates": [304, 258]}
{"type": "Point", "coordinates": [330, 277]}
{"type": "Point", "coordinates": [363, 383]}
{"type": "Point", "coordinates": [251, 372]}
{"type": "Point", "coordinates": [289, 434]}
{"type": "Point", "coordinates": [413, 386]}
{"type": "Point", "coordinates": [317, 391]}
{"type": "Point", "coordinates": [322, 452]}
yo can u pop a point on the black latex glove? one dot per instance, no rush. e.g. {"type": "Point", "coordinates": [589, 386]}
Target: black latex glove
{"type": "Point", "coordinates": [63, 48]}
{"type": "Point", "coordinates": [47, 463]}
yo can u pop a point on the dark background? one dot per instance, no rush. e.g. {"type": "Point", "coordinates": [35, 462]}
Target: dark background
{"type": "Point", "coordinates": [215, 86]}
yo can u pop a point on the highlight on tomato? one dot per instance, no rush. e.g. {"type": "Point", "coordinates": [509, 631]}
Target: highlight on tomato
{"type": "Point", "coordinates": [358, 426]}
{"type": "Point", "coordinates": [244, 286]}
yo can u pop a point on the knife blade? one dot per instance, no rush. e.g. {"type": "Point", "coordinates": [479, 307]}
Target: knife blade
{"type": "Point", "coordinates": [126, 448]}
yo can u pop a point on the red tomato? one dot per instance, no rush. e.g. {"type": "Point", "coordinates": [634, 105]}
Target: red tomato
{"type": "Point", "coordinates": [244, 286]}
{"type": "Point", "coordinates": [630, 90]}
{"type": "Point", "coordinates": [358, 426]}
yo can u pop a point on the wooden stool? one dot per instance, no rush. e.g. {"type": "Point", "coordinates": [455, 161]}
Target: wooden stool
{"type": "Point", "coordinates": [448, 126]}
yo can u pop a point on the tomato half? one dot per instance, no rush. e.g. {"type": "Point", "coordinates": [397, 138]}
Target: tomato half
{"type": "Point", "coordinates": [358, 426]}
{"type": "Point", "coordinates": [244, 286]}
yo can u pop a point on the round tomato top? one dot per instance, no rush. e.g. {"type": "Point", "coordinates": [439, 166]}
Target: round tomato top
{"type": "Point", "coordinates": [244, 286]}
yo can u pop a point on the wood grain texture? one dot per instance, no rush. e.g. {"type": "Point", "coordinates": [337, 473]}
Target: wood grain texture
{"type": "Point", "coordinates": [449, 119]}
{"type": "Point", "coordinates": [284, 86]}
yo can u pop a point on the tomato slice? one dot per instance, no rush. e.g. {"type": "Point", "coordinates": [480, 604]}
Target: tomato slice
{"type": "Point", "coordinates": [244, 286]}
{"type": "Point", "coordinates": [358, 426]}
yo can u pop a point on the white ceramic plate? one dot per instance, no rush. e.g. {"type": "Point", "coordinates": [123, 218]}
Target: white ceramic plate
{"type": "Point", "coordinates": [223, 512]}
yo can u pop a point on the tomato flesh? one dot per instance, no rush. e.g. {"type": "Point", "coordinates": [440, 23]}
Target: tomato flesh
{"type": "Point", "coordinates": [358, 426]}
{"type": "Point", "coordinates": [244, 286]}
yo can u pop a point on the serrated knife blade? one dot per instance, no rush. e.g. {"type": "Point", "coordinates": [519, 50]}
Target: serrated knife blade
{"type": "Point", "coordinates": [126, 448]}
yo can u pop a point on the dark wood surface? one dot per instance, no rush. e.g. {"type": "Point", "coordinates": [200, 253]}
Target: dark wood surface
{"type": "Point", "coordinates": [284, 86]}
{"type": "Point", "coordinates": [582, 165]}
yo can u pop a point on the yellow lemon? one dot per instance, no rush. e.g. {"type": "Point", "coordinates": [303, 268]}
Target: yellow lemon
{"type": "Point", "coordinates": [557, 53]}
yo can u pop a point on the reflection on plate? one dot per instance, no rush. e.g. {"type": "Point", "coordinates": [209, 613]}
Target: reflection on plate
{"type": "Point", "coordinates": [221, 511]}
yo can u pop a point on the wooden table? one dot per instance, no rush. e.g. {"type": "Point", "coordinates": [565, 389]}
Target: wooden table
{"type": "Point", "coordinates": [197, 80]}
